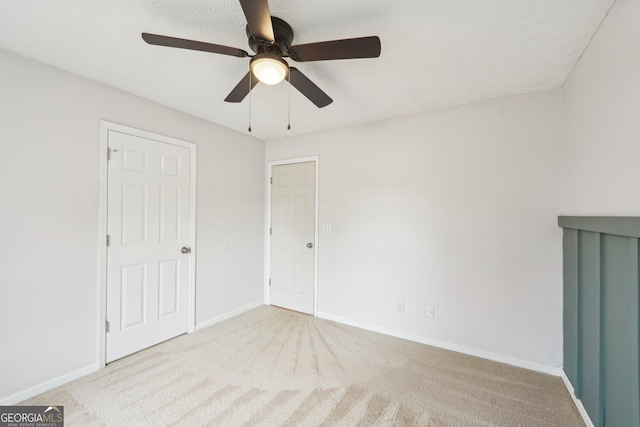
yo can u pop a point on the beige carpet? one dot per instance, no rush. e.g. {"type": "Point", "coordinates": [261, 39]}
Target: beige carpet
{"type": "Point", "coordinates": [275, 367]}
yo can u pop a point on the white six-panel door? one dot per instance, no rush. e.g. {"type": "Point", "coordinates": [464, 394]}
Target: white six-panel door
{"type": "Point", "coordinates": [292, 250]}
{"type": "Point", "coordinates": [148, 223]}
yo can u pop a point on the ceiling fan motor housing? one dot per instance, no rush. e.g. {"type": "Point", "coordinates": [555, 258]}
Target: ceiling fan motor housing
{"type": "Point", "coordinates": [283, 39]}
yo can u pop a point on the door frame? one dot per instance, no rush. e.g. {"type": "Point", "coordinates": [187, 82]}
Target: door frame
{"type": "Point", "coordinates": [105, 127]}
{"type": "Point", "coordinates": [267, 235]}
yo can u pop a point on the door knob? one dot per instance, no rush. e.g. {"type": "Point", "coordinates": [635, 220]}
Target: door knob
{"type": "Point", "coordinates": [309, 245]}
{"type": "Point", "coordinates": [185, 250]}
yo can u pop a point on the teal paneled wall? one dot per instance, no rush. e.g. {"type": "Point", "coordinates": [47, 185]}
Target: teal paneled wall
{"type": "Point", "coordinates": [589, 322]}
{"type": "Point", "coordinates": [620, 331]}
{"type": "Point", "coordinates": [601, 333]}
{"type": "Point", "coordinates": [570, 314]}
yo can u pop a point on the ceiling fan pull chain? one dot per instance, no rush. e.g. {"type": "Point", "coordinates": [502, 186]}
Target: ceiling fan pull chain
{"type": "Point", "coordinates": [250, 77]}
{"type": "Point", "coordinates": [289, 118]}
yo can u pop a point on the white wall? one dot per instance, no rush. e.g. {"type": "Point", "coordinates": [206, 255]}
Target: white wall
{"type": "Point", "coordinates": [455, 209]}
{"type": "Point", "coordinates": [601, 120]}
{"type": "Point", "coordinates": [49, 216]}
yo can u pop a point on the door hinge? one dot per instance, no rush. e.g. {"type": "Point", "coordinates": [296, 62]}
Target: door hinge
{"type": "Point", "coordinates": [109, 151]}
{"type": "Point", "coordinates": [108, 240]}
{"type": "Point", "coordinates": [270, 231]}
{"type": "Point", "coordinates": [271, 180]}
{"type": "Point", "coordinates": [107, 326]}
{"type": "Point", "coordinates": [269, 281]}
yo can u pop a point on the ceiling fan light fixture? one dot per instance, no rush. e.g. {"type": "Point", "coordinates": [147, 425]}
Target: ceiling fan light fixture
{"type": "Point", "coordinates": [269, 68]}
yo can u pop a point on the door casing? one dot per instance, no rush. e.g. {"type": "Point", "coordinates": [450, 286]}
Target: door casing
{"type": "Point", "coordinates": [267, 236]}
{"type": "Point", "coordinates": [105, 127]}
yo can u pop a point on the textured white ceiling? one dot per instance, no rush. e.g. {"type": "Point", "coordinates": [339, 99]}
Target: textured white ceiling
{"type": "Point", "coordinates": [435, 53]}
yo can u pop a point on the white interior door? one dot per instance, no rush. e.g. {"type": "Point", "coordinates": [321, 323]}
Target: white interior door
{"type": "Point", "coordinates": [293, 222]}
{"type": "Point", "coordinates": [148, 223]}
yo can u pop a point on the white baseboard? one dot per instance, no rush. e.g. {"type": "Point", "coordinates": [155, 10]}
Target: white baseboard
{"type": "Point", "coordinates": [576, 401]}
{"type": "Point", "coordinates": [228, 315]}
{"type": "Point", "coordinates": [547, 369]}
{"type": "Point", "coordinates": [48, 385]}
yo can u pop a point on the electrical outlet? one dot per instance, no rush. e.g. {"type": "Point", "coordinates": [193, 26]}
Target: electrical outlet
{"type": "Point", "coordinates": [399, 306]}
{"type": "Point", "coordinates": [430, 312]}
{"type": "Point", "coordinates": [326, 228]}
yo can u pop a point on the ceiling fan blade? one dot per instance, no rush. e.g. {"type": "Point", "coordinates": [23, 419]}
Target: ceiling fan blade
{"type": "Point", "coordinates": [308, 88]}
{"type": "Point", "coordinates": [361, 47]}
{"type": "Point", "coordinates": [242, 89]}
{"type": "Point", "coordinates": [158, 40]}
{"type": "Point", "coordinates": [258, 19]}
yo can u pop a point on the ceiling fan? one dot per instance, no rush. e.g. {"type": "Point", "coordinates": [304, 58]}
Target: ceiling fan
{"type": "Point", "coordinates": [270, 38]}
